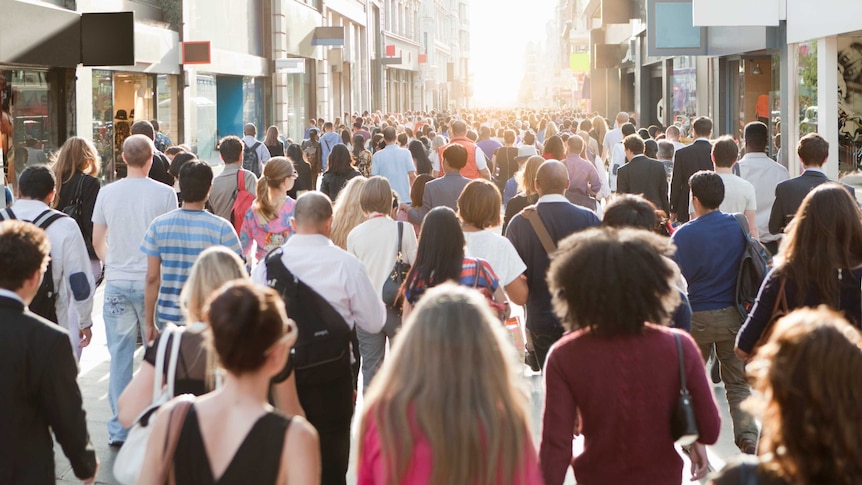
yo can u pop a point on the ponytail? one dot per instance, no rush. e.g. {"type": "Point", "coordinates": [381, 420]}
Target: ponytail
{"type": "Point", "coordinates": [275, 171]}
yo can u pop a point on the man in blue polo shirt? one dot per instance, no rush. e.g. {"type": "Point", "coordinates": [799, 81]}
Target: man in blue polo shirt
{"type": "Point", "coordinates": [709, 249]}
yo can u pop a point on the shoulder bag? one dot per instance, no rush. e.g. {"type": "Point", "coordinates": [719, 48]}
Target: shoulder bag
{"type": "Point", "coordinates": [130, 459]}
{"type": "Point", "coordinates": [392, 286]}
{"type": "Point", "coordinates": [75, 209]}
{"type": "Point", "coordinates": [683, 423]}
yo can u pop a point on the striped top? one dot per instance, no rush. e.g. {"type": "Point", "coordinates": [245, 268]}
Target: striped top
{"type": "Point", "coordinates": [176, 238]}
{"type": "Point", "coordinates": [471, 269]}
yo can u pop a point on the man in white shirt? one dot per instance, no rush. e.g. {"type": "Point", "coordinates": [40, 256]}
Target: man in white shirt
{"type": "Point", "coordinates": [765, 174]}
{"type": "Point", "coordinates": [254, 150]}
{"type": "Point", "coordinates": [342, 280]}
{"type": "Point", "coordinates": [396, 165]}
{"type": "Point", "coordinates": [739, 195]}
{"type": "Point", "coordinates": [615, 136]}
{"type": "Point", "coordinates": [123, 212]}
{"type": "Point", "coordinates": [618, 154]}
{"type": "Point", "coordinates": [71, 271]}
{"type": "Point", "coordinates": [672, 135]}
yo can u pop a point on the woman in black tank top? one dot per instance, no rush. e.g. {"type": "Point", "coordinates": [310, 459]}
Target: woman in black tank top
{"type": "Point", "coordinates": [233, 435]}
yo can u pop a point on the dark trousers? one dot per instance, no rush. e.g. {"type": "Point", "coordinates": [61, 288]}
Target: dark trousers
{"type": "Point", "coordinates": [542, 343]}
{"type": "Point", "coordinates": [329, 408]}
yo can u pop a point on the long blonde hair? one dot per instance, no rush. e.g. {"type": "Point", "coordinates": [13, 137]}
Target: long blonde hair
{"type": "Point", "coordinates": [214, 267]}
{"type": "Point", "coordinates": [526, 177]}
{"type": "Point", "coordinates": [465, 399]}
{"type": "Point", "coordinates": [551, 130]}
{"type": "Point", "coordinates": [76, 154]}
{"type": "Point", "coordinates": [347, 212]}
{"type": "Point", "coordinates": [276, 170]}
{"type": "Point", "coordinates": [601, 129]}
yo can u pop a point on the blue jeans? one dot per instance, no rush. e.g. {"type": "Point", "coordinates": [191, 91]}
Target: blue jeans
{"type": "Point", "coordinates": [124, 316]}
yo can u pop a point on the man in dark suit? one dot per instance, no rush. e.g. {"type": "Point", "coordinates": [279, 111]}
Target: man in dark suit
{"type": "Point", "coordinates": [813, 151]}
{"type": "Point", "coordinates": [446, 189]}
{"type": "Point", "coordinates": [687, 161]}
{"type": "Point", "coordinates": [38, 390]}
{"type": "Point", "coordinates": [642, 175]}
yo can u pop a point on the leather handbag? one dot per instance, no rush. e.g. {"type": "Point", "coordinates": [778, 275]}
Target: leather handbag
{"type": "Point", "coordinates": [75, 209]}
{"type": "Point", "coordinates": [130, 459]}
{"type": "Point", "coordinates": [392, 286]}
{"type": "Point", "coordinates": [683, 424]}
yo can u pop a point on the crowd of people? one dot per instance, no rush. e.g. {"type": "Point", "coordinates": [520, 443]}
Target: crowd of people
{"type": "Point", "coordinates": [383, 254]}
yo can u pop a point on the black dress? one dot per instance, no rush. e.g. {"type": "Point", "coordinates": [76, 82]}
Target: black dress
{"type": "Point", "coordinates": [257, 460]}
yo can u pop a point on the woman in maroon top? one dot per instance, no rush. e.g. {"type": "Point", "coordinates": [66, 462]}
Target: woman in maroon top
{"type": "Point", "coordinates": [615, 378]}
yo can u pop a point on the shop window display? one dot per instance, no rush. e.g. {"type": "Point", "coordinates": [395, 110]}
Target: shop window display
{"type": "Point", "coordinates": [849, 103]}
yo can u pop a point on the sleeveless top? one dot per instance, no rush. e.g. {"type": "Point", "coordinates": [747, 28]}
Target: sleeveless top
{"type": "Point", "coordinates": [257, 460]}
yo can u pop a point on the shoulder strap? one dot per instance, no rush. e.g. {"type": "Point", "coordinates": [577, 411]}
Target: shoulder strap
{"type": "Point", "coordinates": [475, 273]}
{"type": "Point", "coordinates": [175, 426]}
{"type": "Point", "coordinates": [79, 189]}
{"type": "Point", "coordinates": [532, 214]}
{"type": "Point", "coordinates": [743, 223]}
{"type": "Point", "coordinates": [160, 365]}
{"type": "Point", "coordinates": [172, 364]}
{"type": "Point", "coordinates": [683, 388]}
{"type": "Point", "coordinates": [254, 147]}
{"type": "Point", "coordinates": [400, 236]}
{"type": "Point", "coordinates": [278, 277]}
{"type": "Point", "coordinates": [46, 218]}
{"type": "Point", "coordinates": [7, 215]}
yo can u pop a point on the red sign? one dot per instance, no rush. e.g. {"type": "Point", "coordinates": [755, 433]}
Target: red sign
{"type": "Point", "coordinates": [196, 52]}
{"type": "Point", "coordinates": [390, 51]}
{"type": "Point", "coordinates": [423, 58]}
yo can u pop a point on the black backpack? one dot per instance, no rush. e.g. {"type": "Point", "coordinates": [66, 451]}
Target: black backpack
{"type": "Point", "coordinates": [250, 160]}
{"type": "Point", "coordinates": [322, 350]}
{"type": "Point", "coordinates": [753, 267]}
{"type": "Point", "coordinates": [44, 303]}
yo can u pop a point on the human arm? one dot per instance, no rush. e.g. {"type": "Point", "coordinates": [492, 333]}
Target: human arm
{"type": "Point", "coordinates": [300, 456]}
{"type": "Point", "coordinates": [411, 176]}
{"type": "Point", "coordinates": [151, 294]}
{"type": "Point", "coordinates": [760, 315]}
{"type": "Point", "coordinates": [246, 233]}
{"type": "Point", "coordinates": [137, 395]}
{"type": "Point", "coordinates": [705, 409]}
{"type": "Point", "coordinates": [154, 455]}
{"type": "Point", "coordinates": [60, 399]}
{"type": "Point", "coordinates": [678, 187]}
{"type": "Point", "coordinates": [559, 421]}
{"type": "Point", "coordinates": [777, 215]}
{"type": "Point", "coordinates": [366, 306]}
{"type": "Point", "coordinates": [77, 274]}
{"type": "Point", "coordinates": [517, 290]}
{"type": "Point", "coordinates": [286, 398]}
{"type": "Point", "coordinates": [661, 175]}
{"type": "Point", "coordinates": [595, 181]}
{"type": "Point", "coordinates": [752, 224]}
{"type": "Point", "coordinates": [100, 241]}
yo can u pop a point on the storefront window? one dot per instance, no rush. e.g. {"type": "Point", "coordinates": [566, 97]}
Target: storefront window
{"type": "Point", "coordinates": [166, 108]}
{"type": "Point", "coordinates": [205, 121]}
{"type": "Point", "coordinates": [298, 89]}
{"type": "Point", "coordinates": [684, 91]}
{"type": "Point", "coordinates": [807, 87]}
{"type": "Point", "coordinates": [28, 119]}
{"type": "Point", "coordinates": [850, 103]}
{"type": "Point", "coordinates": [103, 121]}
{"type": "Point", "coordinates": [252, 106]}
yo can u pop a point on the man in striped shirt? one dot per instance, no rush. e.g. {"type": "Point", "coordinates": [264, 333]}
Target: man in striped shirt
{"type": "Point", "coordinates": [172, 245]}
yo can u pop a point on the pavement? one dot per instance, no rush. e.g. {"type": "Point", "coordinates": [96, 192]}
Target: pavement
{"type": "Point", "coordinates": [93, 381]}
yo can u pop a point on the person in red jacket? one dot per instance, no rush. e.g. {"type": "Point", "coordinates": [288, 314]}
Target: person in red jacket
{"type": "Point", "coordinates": [615, 378]}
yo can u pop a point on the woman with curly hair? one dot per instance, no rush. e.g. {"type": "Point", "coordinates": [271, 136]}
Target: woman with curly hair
{"type": "Point", "coordinates": [819, 262]}
{"type": "Point", "coordinates": [809, 377]}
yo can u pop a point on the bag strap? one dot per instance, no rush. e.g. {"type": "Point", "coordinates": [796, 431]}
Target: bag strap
{"type": "Point", "coordinates": [46, 218]}
{"type": "Point", "coordinates": [532, 215]}
{"type": "Point", "coordinates": [172, 364]}
{"type": "Point", "coordinates": [683, 387]}
{"type": "Point", "coordinates": [743, 223]}
{"type": "Point", "coordinates": [399, 258]}
{"type": "Point", "coordinates": [160, 364]}
{"type": "Point", "coordinates": [175, 426]}
{"type": "Point", "coordinates": [7, 215]}
{"type": "Point", "coordinates": [79, 190]}
{"type": "Point", "coordinates": [475, 273]}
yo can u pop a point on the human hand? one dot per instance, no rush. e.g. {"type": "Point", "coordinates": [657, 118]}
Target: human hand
{"type": "Point", "coordinates": [699, 461]}
{"type": "Point", "coordinates": [152, 333]}
{"type": "Point", "coordinates": [86, 336]}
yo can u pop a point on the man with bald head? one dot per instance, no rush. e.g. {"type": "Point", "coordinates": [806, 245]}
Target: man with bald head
{"type": "Point", "coordinates": [254, 153]}
{"type": "Point", "coordinates": [336, 295]}
{"type": "Point", "coordinates": [554, 215]}
{"type": "Point", "coordinates": [123, 212]}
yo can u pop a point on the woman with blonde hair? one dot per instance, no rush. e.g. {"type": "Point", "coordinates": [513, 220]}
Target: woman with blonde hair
{"type": "Point", "coordinates": [600, 126]}
{"type": "Point", "coordinates": [347, 212]}
{"type": "Point", "coordinates": [272, 143]}
{"type": "Point", "coordinates": [214, 267]}
{"type": "Point", "coordinates": [551, 130]}
{"type": "Point", "coordinates": [424, 423]}
{"type": "Point", "coordinates": [809, 381]}
{"type": "Point", "coordinates": [527, 194]}
{"type": "Point", "coordinates": [233, 435]}
{"type": "Point", "coordinates": [76, 166]}
{"type": "Point", "coordinates": [267, 222]}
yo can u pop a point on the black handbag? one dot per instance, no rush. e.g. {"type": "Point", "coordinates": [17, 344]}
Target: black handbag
{"type": "Point", "coordinates": [75, 209]}
{"type": "Point", "coordinates": [683, 424]}
{"type": "Point", "coordinates": [392, 286]}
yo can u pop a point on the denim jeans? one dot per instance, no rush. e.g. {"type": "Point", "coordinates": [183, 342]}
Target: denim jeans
{"type": "Point", "coordinates": [124, 316]}
{"type": "Point", "coordinates": [372, 346]}
{"type": "Point", "coordinates": [719, 328]}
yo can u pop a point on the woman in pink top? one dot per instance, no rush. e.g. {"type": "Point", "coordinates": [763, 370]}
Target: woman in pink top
{"type": "Point", "coordinates": [447, 407]}
{"type": "Point", "coordinates": [267, 222]}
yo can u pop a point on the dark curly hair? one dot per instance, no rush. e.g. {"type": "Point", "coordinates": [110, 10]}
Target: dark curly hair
{"type": "Point", "coordinates": [630, 281]}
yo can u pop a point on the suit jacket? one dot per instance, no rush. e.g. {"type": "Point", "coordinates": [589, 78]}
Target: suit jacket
{"type": "Point", "coordinates": [38, 393]}
{"type": "Point", "coordinates": [443, 191]}
{"type": "Point", "coordinates": [687, 161]}
{"type": "Point", "coordinates": [789, 195]}
{"type": "Point", "coordinates": [645, 176]}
